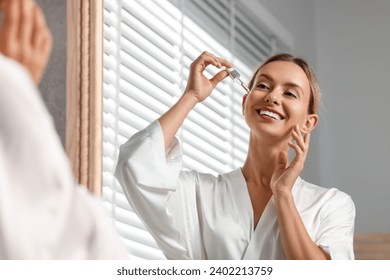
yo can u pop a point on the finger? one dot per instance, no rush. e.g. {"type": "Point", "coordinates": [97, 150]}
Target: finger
{"type": "Point", "coordinates": [8, 33]}
{"type": "Point", "coordinates": [44, 52]}
{"type": "Point", "coordinates": [26, 21]}
{"type": "Point", "coordinates": [306, 139]}
{"type": "Point", "coordinates": [282, 160]}
{"type": "Point", "coordinates": [301, 149]}
{"type": "Point", "coordinates": [297, 149]}
{"type": "Point", "coordinates": [297, 143]}
{"type": "Point", "coordinates": [299, 154]}
{"type": "Point", "coordinates": [206, 59]}
{"type": "Point", "coordinates": [11, 19]}
{"type": "Point", "coordinates": [40, 29]}
{"type": "Point", "coordinates": [299, 159]}
{"type": "Point", "coordinates": [224, 62]}
{"type": "Point", "coordinates": [219, 77]}
{"type": "Point", "coordinates": [298, 140]}
{"type": "Point", "coordinates": [47, 44]}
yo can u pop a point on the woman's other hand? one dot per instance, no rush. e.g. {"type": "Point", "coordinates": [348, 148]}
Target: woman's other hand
{"type": "Point", "coordinates": [24, 36]}
{"type": "Point", "coordinates": [199, 86]}
{"type": "Point", "coordinates": [285, 175]}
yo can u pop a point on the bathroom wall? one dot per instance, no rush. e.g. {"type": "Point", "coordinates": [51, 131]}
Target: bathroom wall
{"type": "Point", "coordinates": [353, 43]}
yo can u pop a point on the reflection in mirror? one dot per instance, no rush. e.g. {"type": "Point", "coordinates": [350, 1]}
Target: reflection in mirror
{"type": "Point", "coordinates": [148, 47]}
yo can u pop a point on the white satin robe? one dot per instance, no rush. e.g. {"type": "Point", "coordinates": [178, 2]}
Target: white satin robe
{"type": "Point", "coordinates": [44, 214]}
{"type": "Point", "coordinates": [200, 216]}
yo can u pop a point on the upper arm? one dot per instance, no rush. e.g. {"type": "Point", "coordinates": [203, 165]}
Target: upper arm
{"type": "Point", "coordinates": [335, 234]}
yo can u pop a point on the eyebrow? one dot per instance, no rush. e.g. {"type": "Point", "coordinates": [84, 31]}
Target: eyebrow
{"type": "Point", "coordinates": [290, 84]}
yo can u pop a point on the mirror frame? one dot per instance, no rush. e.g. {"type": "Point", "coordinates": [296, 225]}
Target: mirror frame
{"type": "Point", "coordinates": [84, 89]}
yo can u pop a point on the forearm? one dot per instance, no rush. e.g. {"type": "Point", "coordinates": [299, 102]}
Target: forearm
{"type": "Point", "coordinates": [150, 185]}
{"type": "Point", "coordinates": [173, 119]}
{"type": "Point", "coordinates": [296, 241]}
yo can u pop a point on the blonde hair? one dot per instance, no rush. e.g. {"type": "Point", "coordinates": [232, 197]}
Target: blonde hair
{"type": "Point", "coordinates": [314, 101]}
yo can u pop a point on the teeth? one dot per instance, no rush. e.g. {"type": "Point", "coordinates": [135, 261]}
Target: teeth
{"type": "Point", "coordinates": [270, 114]}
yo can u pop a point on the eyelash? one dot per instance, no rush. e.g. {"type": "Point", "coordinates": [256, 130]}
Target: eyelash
{"type": "Point", "coordinates": [262, 86]}
{"type": "Point", "coordinates": [291, 94]}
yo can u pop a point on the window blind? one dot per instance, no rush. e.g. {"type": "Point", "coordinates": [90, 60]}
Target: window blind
{"type": "Point", "coordinates": [148, 49]}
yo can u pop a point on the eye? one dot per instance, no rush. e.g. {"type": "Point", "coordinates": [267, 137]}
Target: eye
{"type": "Point", "coordinates": [262, 86]}
{"type": "Point", "coordinates": [291, 94]}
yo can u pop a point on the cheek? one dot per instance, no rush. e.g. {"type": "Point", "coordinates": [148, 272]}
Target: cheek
{"type": "Point", "coordinates": [246, 104]}
{"type": "Point", "coordinates": [297, 111]}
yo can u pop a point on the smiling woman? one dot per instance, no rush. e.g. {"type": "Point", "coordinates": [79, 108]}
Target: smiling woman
{"type": "Point", "coordinates": [274, 197]}
{"type": "Point", "coordinates": [271, 212]}
{"type": "Point", "coordinates": [205, 146]}
{"type": "Point", "coordinates": [148, 48]}
{"type": "Point", "coordinates": [224, 151]}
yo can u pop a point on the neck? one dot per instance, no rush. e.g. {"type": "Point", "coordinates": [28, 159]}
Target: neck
{"type": "Point", "coordinates": [261, 161]}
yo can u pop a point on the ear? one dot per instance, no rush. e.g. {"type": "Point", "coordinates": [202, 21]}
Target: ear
{"type": "Point", "coordinates": [310, 123]}
{"type": "Point", "coordinates": [243, 102]}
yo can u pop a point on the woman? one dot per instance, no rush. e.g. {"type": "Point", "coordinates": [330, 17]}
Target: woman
{"type": "Point", "coordinates": [263, 210]}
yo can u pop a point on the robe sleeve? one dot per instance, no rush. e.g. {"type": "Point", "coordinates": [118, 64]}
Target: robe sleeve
{"type": "Point", "coordinates": [335, 235]}
{"type": "Point", "coordinates": [161, 195]}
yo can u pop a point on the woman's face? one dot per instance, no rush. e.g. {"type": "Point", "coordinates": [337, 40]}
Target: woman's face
{"type": "Point", "coordinates": [279, 100]}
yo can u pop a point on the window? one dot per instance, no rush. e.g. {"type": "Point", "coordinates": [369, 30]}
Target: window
{"type": "Point", "coordinates": [148, 47]}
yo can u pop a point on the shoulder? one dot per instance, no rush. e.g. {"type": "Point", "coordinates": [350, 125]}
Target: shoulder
{"type": "Point", "coordinates": [306, 188]}
{"type": "Point", "coordinates": [329, 199]}
{"type": "Point", "coordinates": [208, 179]}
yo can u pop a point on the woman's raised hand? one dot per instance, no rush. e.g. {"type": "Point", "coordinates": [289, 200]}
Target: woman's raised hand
{"type": "Point", "coordinates": [285, 174]}
{"type": "Point", "coordinates": [199, 86]}
{"type": "Point", "coordinates": [24, 35]}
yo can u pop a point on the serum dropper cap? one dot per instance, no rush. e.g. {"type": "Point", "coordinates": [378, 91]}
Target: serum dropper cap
{"type": "Point", "coordinates": [235, 75]}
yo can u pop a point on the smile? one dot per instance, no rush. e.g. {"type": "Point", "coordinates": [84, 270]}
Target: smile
{"type": "Point", "coordinates": [270, 114]}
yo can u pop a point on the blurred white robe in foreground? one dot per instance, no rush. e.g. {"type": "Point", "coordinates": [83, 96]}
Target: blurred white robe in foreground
{"type": "Point", "coordinates": [44, 214]}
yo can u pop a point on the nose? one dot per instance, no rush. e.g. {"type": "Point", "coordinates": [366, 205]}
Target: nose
{"type": "Point", "coordinates": [272, 97]}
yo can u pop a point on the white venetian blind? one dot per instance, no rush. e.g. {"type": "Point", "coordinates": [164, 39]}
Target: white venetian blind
{"type": "Point", "coordinates": [148, 48]}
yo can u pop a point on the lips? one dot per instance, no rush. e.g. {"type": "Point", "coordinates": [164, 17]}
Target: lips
{"type": "Point", "coordinates": [270, 113]}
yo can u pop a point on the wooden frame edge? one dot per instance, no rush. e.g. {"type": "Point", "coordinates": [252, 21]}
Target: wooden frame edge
{"type": "Point", "coordinates": [84, 91]}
